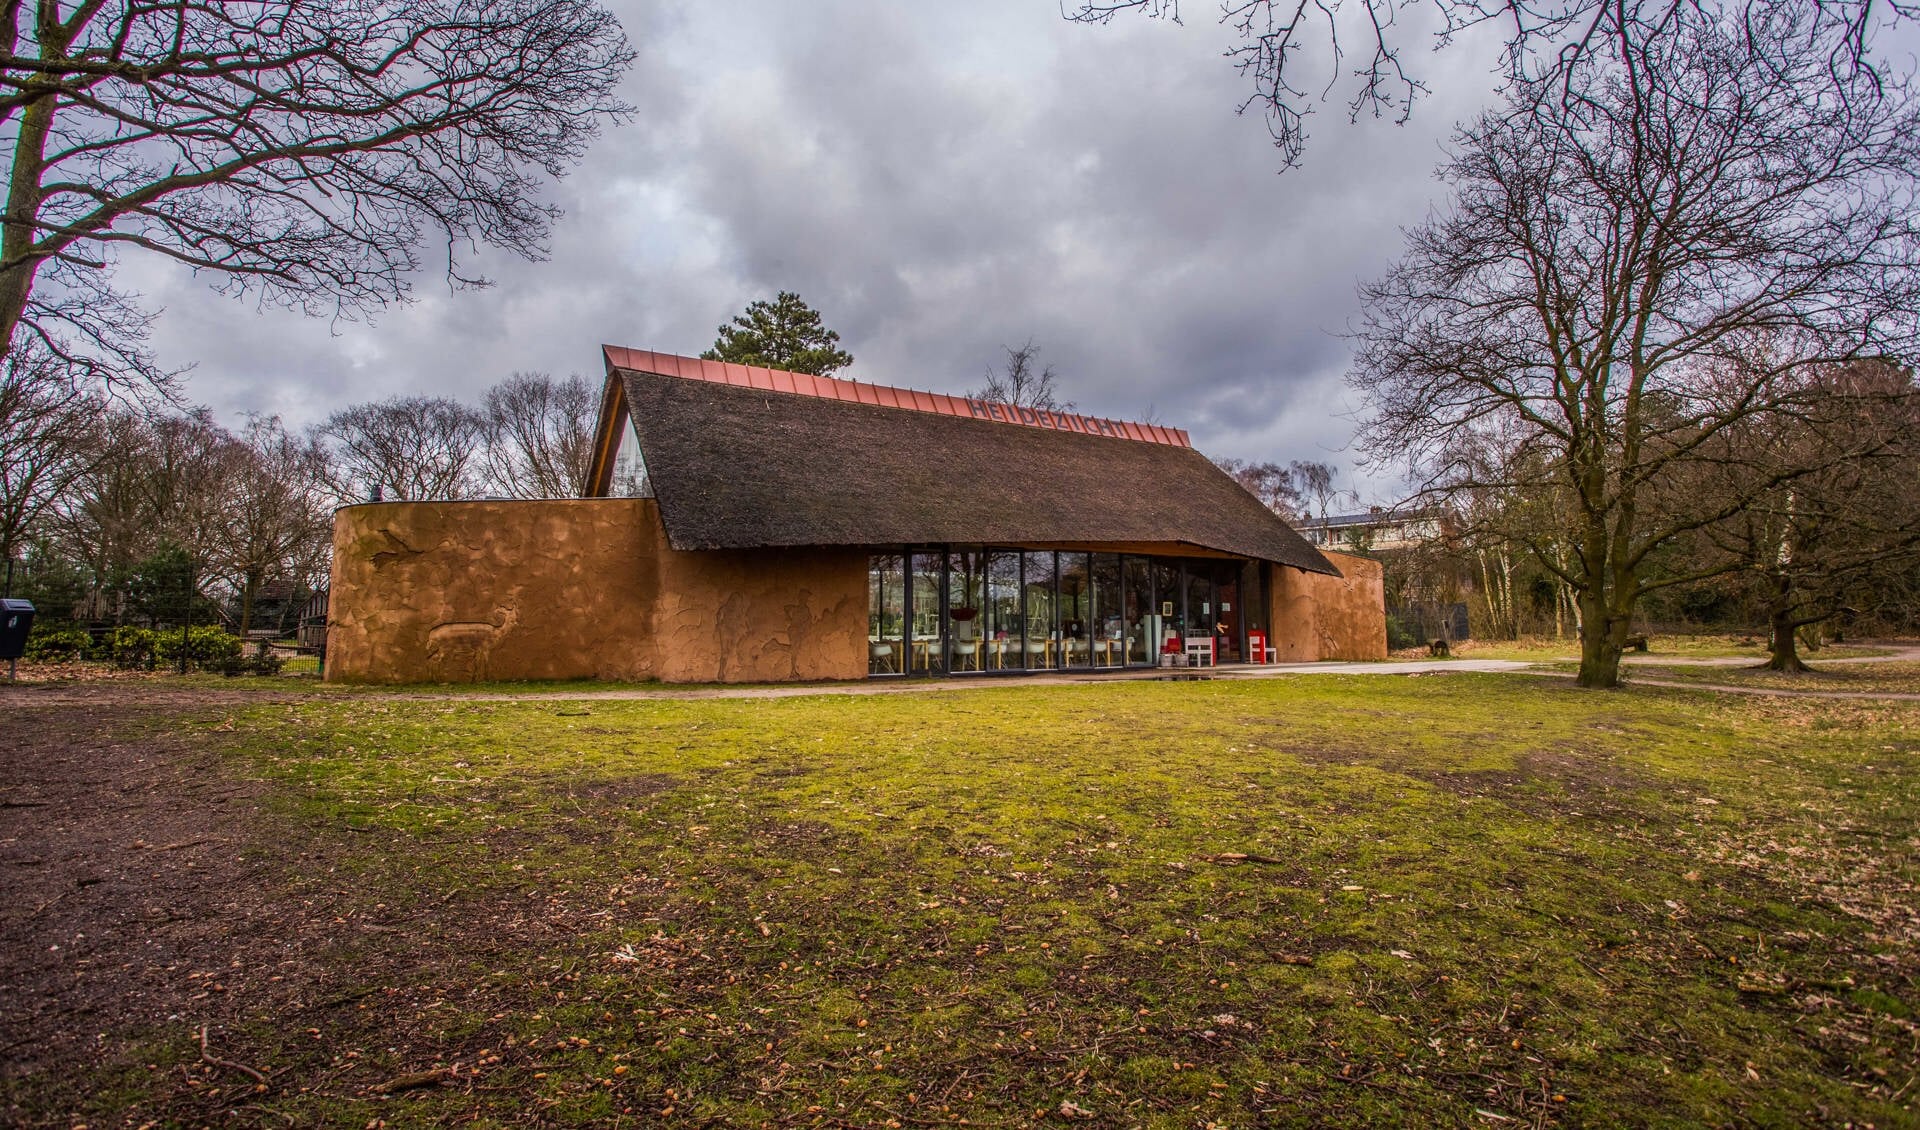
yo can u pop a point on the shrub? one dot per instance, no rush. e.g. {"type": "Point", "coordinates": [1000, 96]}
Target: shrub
{"type": "Point", "coordinates": [207, 647]}
{"type": "Point", "coordinates": [56, 645]}
{"type": "Point", "coordinates": [262, 662]}
{"type": "Point", "coordinates": [1400, 634]}
{"type": "Point", "coordinates": [131, 647]}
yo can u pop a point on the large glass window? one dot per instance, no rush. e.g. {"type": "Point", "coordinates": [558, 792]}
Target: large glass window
{"type": "Point", "coordinates": [966, 596]}
{"type": "Point", "coordinates": [629, 468]}
{"type": "Point", "coordinates": [1170, 605]}
{"type": "Point", "coordinates": [1253, 613]}
{"type": "Point", "coordinates": [1107, 632]}
{"type": "Point", "coordinates": [886, 614]}
{"type": "Point", "coordinates": [951, 610]}
{"type": "Point", "coordinates": [1143, 620]}
{"type": "Point", "coordinates": [926, 649]}
{"type": "Point", "coordinates": [1005, 629]}
{"type": "Point", "coordinates": [1203, 612]}
{"type": "Point", "coordinates": [1227, 612]}
{"type": "Point", "coordinates": [1042, 641]}
{"type": "Point", "coordinates": [1076, 611]}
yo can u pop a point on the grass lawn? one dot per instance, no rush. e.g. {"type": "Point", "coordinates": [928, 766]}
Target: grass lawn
{"type": "Point", "coordinates": [1448, 899]}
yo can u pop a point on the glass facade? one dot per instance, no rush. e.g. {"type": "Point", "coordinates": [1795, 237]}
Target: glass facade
{"type": "Point", "coordinates": [966, 596]}
{"type": "Point", "coordinates": [886, 614]}
{"type": "Point", "coordinates": [1107, 628]}
{"type": "Point", "coordinates": [967, 610]}
{"type": "Point", "coordinates": [629, 469]}
{"type": "Point", "coordinates": [927, 651]}
{"type": "Point", "coordinates": [1076, 610]}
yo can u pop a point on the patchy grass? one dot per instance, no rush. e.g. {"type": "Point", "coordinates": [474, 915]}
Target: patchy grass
{"type": "Point", "coordinates": [1718, 646]}
{"type": "Point", "coordinates": [1330, 901]}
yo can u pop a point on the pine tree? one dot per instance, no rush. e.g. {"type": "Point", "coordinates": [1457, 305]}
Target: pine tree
{"type": "Point", "coordinates": [783, 334]}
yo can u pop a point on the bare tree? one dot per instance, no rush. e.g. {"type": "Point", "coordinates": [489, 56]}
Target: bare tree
{"type": "Point", "coordinates": [46, 422]}
{"type": "Point", "coordinates": [188, 465]}
{"type": "Point", "coordinates": [1313, 484]}
{"type": "Point", "coordinates": [1021, 384]}
{"type": "Point", "coordinates": [418, 448]}
{"type": "Point", "coordinates": [540, 435]}
{"type": "Point", "coordinates": [1547, 46]}
{"type": "Point", "coordinates": [1805, 546]}
{"type": "Point", "coordinates": [1269, 482]}
{"type": "Point", "coordinates": [102, 518]}
{"type": "Point", "coordinates": [276, 524]}
{"type": "Point", "coordinates": [1611, 261]}
{"type": "Point", "coordinates": [299, 151]}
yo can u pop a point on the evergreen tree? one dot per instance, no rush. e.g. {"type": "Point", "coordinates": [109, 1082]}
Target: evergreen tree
{"type": "Point", "coordinates": [783, 334]}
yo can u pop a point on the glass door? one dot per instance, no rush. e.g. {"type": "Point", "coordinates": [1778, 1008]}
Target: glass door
{"type": "Point", "coordinates": [926, 644]}
{"type": "Point", "coordinates": [886, 614]}
{"type": "Point", "coordinates": [1076, 611]}
{"type": "Point", "coordinates": [966, 598]}
{"type": "Point", "coordinates": [1041, 642]}
{"type": "Point", "coordinates": [1109, 633]}
{"type": "Point", "coordinates": [1142, 618]}
{"type": "Point", "coordinates": [1229, 613]}
{"type": "Point", "coordinates": [1005, 628]}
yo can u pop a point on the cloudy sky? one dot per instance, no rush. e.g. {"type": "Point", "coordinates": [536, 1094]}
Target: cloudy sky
{"type": "Point", "coordinates": [939, 180]}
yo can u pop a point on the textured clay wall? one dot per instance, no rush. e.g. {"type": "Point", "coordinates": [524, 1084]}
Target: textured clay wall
{"type": "Point", "coordinates": [462, 592]}
{"type": "Point", "coordinates": [762, 616]}
{"type": "Point", "coordinates": [1317, 617]}
{"type": "Point", "coordinates": [471, 591]}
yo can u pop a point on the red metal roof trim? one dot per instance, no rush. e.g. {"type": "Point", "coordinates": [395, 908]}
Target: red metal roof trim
{"type": "Point", "coordinates": [885, 396]}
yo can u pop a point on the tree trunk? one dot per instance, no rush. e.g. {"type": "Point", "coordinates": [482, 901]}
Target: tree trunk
{"type": "Point", "coordinates": [1785, 656]}
{"type": "Point", "coordinates": [24, 194]}
{"type": "Point", "coordinates": [246, 605]}
{"type": "Point", "coordinates": [1601, 642]}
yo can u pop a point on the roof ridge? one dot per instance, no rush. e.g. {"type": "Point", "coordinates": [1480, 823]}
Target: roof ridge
{"type": "Point", "coordinates": [886, 396]}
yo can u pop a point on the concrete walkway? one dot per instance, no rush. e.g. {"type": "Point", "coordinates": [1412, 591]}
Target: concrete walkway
{"type": "Point", "coordinates": [157, 693]}
{"type": "Point", "coordinates": [1229, 672]}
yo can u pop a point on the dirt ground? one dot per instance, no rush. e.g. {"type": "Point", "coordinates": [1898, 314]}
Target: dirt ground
{"type": "Point", "coordinates": [134, 897]}
{"type": "Point", "coordinates": [147, 897]}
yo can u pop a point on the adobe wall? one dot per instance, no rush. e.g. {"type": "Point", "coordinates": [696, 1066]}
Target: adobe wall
{"type": "Point", "coordinates": [578, 589]}
{"type": "Point", "coordinates": [1317, 617]}
{"type": "Point", "coordinates": [762, 616]}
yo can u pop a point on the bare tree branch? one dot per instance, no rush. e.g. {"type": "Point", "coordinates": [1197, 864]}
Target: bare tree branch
{"type": "Point", "coordinates": [301, 152]}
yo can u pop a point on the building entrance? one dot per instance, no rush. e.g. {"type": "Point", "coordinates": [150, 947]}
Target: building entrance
{"type": "Point", "coordinates": [981, 610]}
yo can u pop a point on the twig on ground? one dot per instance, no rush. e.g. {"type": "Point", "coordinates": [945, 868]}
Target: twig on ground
{"type": "Point", "coordinates": [216, 1061]}
{"type": "Point", "coordinates": [42, 908]}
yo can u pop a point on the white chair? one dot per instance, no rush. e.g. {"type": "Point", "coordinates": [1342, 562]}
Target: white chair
{"type": "Point", "coordinates": [1037, 647]}
{"type": "Point", "coordinates": [966, 654]}
{"type": "Point", "coordinates": [882, 651]}
{"type": "Point", "coordinates": [1200, 650]}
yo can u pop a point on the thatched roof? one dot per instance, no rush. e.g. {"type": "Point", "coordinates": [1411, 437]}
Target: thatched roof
{"type": "Point", "coordinates": [736, 466]}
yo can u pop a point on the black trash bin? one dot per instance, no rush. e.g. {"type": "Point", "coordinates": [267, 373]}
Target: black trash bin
{"type": "Point", "coordinates": [16, 620]}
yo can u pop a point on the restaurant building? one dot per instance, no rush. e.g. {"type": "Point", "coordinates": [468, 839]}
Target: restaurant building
{"type": "Point", "coordinates": [751, 525]}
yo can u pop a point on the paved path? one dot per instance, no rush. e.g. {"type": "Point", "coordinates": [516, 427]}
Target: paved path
{"type": "Point", "coordinates": [1901, 653]}
{"type": "Point", "coordinates": [152, 692]}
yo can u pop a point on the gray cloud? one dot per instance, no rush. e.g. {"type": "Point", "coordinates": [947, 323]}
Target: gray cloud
{"type": "Point", "coordinates": [939, 181]}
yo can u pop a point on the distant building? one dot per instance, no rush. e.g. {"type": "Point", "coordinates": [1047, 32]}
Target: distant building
{"type": "Point", "coordinates": [1376, 528]}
